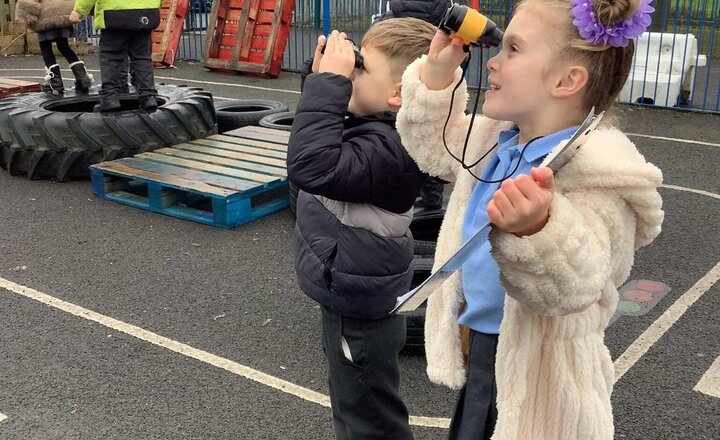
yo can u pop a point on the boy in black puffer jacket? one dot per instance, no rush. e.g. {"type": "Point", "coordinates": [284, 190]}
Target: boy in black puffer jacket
{"type": "Point", "coordinates": [353, 245]}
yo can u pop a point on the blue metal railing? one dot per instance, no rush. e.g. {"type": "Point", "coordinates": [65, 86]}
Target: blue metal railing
{"type": "Point", "coordinates": [671, 69]}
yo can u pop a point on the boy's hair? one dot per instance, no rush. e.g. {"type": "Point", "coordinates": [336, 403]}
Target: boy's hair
{"type": "Point", "coordinates": [608, 67]}
{"type": "Point", "coordinates": [401, 40]}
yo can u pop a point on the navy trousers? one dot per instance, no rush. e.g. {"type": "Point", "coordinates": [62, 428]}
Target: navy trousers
{"type": "Point", "coordinates": [476, 409]}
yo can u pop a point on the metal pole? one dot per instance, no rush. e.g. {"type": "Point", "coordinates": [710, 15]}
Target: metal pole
{"type": "Point", "coordinates": [326, 17]}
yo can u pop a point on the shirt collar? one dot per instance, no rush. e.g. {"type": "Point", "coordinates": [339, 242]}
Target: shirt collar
{"type": "Point", "coordinates": [540, 148]}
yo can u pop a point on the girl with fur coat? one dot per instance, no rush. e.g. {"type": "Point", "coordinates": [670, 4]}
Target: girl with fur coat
{"type": "Point", "coordinates": [539, 294]}
{"type": "Point", "coordinates": [51, 20]}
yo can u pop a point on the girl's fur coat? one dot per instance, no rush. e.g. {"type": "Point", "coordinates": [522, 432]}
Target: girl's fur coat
{"type": "Point", "coordinates": [553, 371]}
{"type": "Point", "coordinates": [41, 15]}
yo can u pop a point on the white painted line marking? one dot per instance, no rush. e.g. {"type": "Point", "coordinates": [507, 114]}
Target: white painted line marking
{"type": "Point", "coordinates": [2, 417]}
{"type": "Point", "coordinates": [658, 328]}
{"type": "Point", "coordinates": [662, 138]}
{"type": "Point", "coordinates": [166, 78]}
{"type": "Point", "coordinates": [186, 350]}
{"type": "Point", "coordinates": [692, 190]}
{"type": "Point", "coordinates": [710, 382]}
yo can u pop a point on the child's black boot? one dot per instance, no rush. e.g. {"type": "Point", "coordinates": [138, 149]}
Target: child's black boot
{"type": "Point", "coordinates": [108, 104]}
{"type": "Point", "coordinates": [53, 84]}
{"type": "Point", "coordinates": [83, 80]}
{"type": "Point", "coordinates": [149, 104]}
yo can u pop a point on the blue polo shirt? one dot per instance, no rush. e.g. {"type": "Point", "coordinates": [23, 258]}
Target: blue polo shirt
{"type": "Point", "coordinates": [484, 295]}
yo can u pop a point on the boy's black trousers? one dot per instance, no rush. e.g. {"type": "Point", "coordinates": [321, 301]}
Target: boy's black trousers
{"type": "Point", "coordinates": [364, 377]}
{"type": "Point", "coordinates": [116, 46]}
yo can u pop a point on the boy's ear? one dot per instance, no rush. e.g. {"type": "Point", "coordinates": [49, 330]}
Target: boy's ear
{"type": "Point", "coordinates": [572, 81]}
{"type": "Point", "coordinates": [396, 99]}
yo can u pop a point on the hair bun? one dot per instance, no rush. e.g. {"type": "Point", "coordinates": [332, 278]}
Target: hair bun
{"type": "Point", "coordinates": [612, 12]}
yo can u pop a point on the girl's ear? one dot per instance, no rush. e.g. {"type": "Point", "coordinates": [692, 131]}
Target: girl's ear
{"type": "Point", "coordinates": [396, 99]}
{"type": "Point", "coordinates": [571, 82]}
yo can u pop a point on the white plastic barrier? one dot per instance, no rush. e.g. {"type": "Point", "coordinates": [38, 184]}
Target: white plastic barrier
{"type": "Point", "coordinates": [663, 69]}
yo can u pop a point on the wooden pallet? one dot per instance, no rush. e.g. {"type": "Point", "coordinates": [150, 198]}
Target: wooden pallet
{"type": "Point", "coordinates": [166, 38]}
{"type": "Point", "coordinates": [247, 36]}
{"type": "Point", "coordinates": [9, 86]}
{"type": "Point", "coordinates": [224, 180]}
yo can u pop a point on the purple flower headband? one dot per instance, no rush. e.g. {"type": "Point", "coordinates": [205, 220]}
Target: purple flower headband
{"type": "Point", "coordinates": [619, 35]}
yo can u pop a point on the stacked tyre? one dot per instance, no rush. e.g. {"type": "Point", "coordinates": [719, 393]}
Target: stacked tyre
{"type": "Point", "coordinates": [242, 112]}
{"type": "Point", "coordinates": [283, 121]}
{"type": "Point", "coordinates": [59, 138]}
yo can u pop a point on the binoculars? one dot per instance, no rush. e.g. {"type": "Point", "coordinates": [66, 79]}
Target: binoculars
{"type": "Point", "coordinates": [358, 56]}
{"type": "Point", "coordinates": [474, 28]}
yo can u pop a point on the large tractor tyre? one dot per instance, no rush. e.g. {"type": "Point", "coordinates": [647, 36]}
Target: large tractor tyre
{"type": "Point", "coordinates": [283, 121]}
{"type": "Point", "coordinates": [60, 138]}
{"type": "Point", "coordinates": [242, 112]}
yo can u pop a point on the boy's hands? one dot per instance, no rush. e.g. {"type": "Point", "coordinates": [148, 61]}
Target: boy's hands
{"type": "Point", "coordinates": [322, 40]}
{"type": "Point", "coordinates": [444, 57]}
{"type": "Point", "coordinates": [75, 17]}
{"type": "Point", "coordinates": [522, 205]}
{"type": "Point", "coordinates": [339, 57]}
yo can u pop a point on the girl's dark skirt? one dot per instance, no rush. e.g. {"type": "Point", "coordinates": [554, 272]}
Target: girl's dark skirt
{"type": "Point", "coordinates": [56, 34]}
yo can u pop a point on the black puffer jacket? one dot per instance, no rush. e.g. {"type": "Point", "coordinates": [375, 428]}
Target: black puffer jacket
{"type": "Point", "coordinates": [352, 271]}
{"type": "Point", "coordinates": [431, 11]}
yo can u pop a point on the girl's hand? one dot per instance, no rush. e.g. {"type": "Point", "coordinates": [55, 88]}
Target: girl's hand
{"type": "Point", "coordinates": [339, 57]}
{"type": "Point", "coordinates": [444, 57]}
{"type": "Point", "coordinates": [322, 40]}
{"type": "Point", "coordinates": [522, 205]}
{"type": "Point", "coordinates": [75, 17]}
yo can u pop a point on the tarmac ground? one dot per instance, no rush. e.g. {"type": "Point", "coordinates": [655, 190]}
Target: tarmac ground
{"type": "Point", "coordinates": [119, 323]}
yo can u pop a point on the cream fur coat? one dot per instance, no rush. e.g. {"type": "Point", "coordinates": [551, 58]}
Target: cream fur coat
{"type": "Point", "coordinates": [554, 373]}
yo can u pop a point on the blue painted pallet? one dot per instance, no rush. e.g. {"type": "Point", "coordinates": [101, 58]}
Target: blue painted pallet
{"type": "Point", "coordinates": [224, 180]}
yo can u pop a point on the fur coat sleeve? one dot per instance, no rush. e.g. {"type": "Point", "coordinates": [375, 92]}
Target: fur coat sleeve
{"type": "Point", "coordinates": [421, 124]}
{"type": "Point", "coordinates": [28, 12]}
{"type": "Point", "coordinates": [601, 214]}
{"type": "Point", "coordinates": [44, 14]}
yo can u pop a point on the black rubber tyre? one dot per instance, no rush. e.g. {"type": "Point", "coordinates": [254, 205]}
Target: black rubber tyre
{"type": "Point", "coordinates": [60, 138]}
{"type": "Point", "coordinates": [241, 112]}
{"type": "Point", "coordinates": [278, 121]}
{"type": "Point", "coordinates": [283, 121]}
{"type": "Point", "coordinates": [425, 228]}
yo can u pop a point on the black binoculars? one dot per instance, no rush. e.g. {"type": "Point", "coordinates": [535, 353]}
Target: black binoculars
{"type": "Point", "coordinates": [474, 28]}
{"type": "Point", "coordinates": [358, 56]}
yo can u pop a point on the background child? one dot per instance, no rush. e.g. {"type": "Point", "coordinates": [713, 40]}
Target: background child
{"type": "Point", "coordinates": [125, 26]}
{"type": "Point", "coordinates": [560, 246]}
{"type": "Point", "coordinates": [49, 18]}
{"type": "Point", "coordinates": [353, 245]}
{"type": "Point", "coordinates": [432, 11]}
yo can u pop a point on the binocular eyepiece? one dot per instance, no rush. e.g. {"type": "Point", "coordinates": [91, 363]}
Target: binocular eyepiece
{"type": "Point", "coordinates": [474, 28]}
